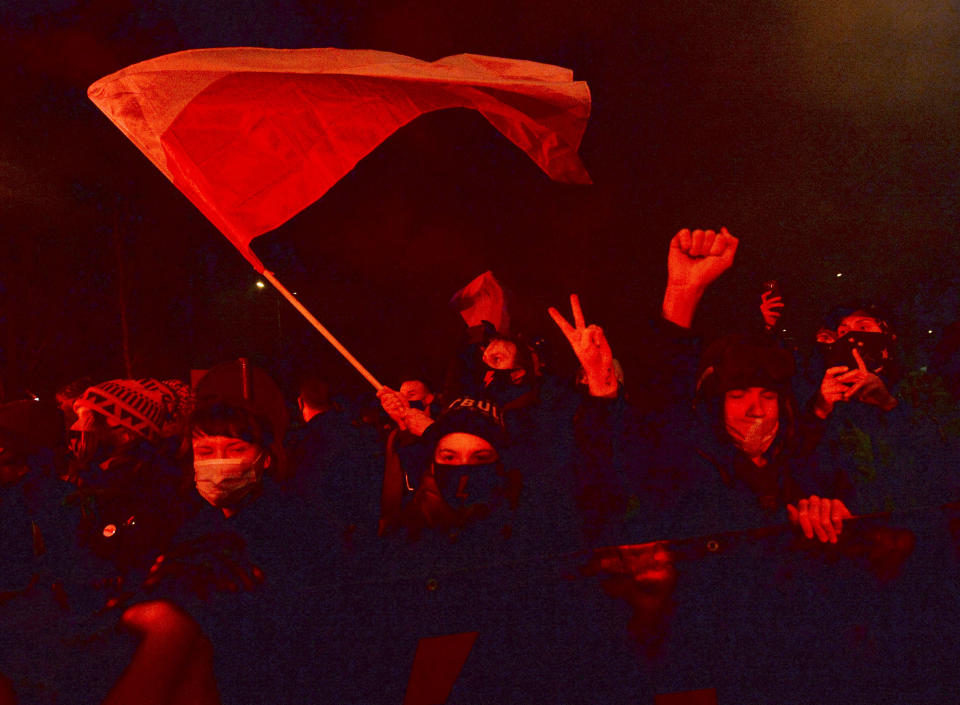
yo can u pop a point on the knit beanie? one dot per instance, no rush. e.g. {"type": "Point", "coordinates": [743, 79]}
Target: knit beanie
{"type": "Point", "coordinates": [478, 417]}
{"type": "Point", "coordinates": [139, 405]}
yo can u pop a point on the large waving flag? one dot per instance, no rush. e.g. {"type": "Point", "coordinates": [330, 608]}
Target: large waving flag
{"type": "Point", "coordinates": [254, 136]}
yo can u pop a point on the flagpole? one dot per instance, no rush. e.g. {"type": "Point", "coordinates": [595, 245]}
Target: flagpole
{"type": "Point", "coordinates": [268, 275]}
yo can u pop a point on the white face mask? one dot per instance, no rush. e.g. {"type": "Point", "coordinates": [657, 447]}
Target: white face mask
{"type": "Point", "coordinates": [223, 482]}
{"type": "Point", "coordinates": [754, 438]}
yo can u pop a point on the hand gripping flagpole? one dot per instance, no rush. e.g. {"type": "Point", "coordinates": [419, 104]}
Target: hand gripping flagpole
{"type": "Point", "coordinates": [268, 275]}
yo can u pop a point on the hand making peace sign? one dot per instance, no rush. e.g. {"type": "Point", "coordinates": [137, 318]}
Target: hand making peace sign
{"type": "Point", "coordinates": [591, 348]}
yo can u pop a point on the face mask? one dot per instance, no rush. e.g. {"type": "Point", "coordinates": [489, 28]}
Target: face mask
{"type": "Point", "coordinates": [503, 377]}
{"type": "Point", "coordinates": [463, 485]}
{"type": "Point", "coordinates": [753, 437]}
{"type": "Point", "coordinates": [417, 405]}
{"type": "Point", "coordinates": [874, 348]}
{"type": "Point", "coordinates": [223, 482]}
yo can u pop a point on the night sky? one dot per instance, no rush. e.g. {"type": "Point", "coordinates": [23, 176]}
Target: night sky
{"type": "Point", "coordinates": [824, 135]}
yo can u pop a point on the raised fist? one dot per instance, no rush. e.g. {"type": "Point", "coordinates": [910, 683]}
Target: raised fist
{"type": "Point", "coordinates": [698, 257]}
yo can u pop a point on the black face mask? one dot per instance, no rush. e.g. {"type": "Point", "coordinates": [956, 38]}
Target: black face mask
{"type": "Point", "coordinates": [417, 405]}
{"type": "Point", "coordinates": [875, 349]}
{"type": "Point", "coordinates": [504, 377]}
{"type": "Point", "coordinates": [464, 485]}
{"type": "Point", "coordinates": [503, 389]}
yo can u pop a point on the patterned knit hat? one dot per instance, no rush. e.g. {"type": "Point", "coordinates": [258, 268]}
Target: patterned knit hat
{"type": "Point", "coordinates": [140, 405]}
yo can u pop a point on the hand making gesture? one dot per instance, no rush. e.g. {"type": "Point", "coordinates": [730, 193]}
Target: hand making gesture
{"type": "Point", "coordinates": [868, 387]}
{"type": "Point", "coordinates": [591, 348]}
{"type": "Point", "coordinates": [695, 261]}
{"type": "Point", "coordinates": [841, 384]}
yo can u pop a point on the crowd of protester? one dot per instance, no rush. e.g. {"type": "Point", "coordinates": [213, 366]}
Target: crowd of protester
{"type": "Point", "coordinates": [162, 543]}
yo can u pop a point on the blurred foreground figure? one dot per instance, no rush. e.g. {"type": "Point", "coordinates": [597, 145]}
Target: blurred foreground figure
{"type": "Point", "coordinates": [95, 538]}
